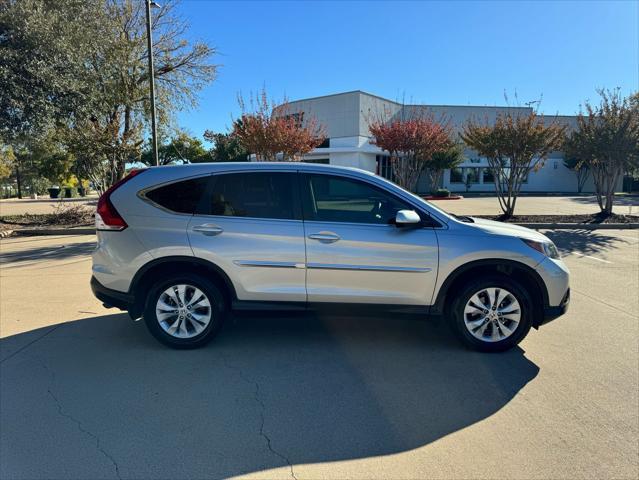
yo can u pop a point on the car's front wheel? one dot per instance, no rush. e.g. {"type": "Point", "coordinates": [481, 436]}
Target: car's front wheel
{"type": "Point", "coordinates": [492, 314]}
{"type": "Point", "coordinates": [184, 312]}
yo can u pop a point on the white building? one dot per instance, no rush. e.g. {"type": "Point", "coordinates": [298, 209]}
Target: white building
{"type": "Point", "coordinates": [346, 118]}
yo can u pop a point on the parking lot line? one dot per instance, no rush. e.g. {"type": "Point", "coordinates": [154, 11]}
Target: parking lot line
{"type": "Point", "coordinates": [581, 255]}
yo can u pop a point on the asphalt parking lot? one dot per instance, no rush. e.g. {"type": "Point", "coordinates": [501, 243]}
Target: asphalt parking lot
{"type": "Point", "coordinates": [86, 393]}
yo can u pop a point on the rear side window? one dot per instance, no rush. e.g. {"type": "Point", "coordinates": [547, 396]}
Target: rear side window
{"type": "Point", "coordinates": [180, 197]}
{"type": "Point", "coordinates": [254, 194]}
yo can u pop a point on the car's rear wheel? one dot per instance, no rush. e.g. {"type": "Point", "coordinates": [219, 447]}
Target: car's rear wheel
{"type": "Point", "coordinates": [185, 312]}
{"type": "Point", "coordinates": [492, 314]}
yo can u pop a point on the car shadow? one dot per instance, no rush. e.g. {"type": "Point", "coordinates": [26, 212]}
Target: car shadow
{"type": "Point", "coordinates": [584, 241]}
{"type": "Point", "coordinates": [271, 391]}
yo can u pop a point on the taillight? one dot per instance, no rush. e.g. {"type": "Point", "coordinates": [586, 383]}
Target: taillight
{"type": "Point", "coordinates": [106, 216]}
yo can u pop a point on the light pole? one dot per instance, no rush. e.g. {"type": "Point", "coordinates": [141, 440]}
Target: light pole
{"type": "Point", "coordinates": [149, 39]}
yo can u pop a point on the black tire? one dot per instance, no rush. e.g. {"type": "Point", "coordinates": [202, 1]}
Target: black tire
{"type": "Point", "coordinates": [456, 313]}
{"type": "Point", "coordinates": [218, 309]}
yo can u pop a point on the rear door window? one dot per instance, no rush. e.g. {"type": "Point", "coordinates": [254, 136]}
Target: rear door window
{"type": "Point", "coordinates": [255, 195]}
{"type": "Point", "coordinates": [180, 197]}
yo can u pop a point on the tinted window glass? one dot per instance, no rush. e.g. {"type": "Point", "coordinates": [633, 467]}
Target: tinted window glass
{"type": "Point", "coordinates": [181, 197]}
{"type": "Point", "coordinates": [254, 194]}
{"type": "Point", "coordinates": [338, 199]}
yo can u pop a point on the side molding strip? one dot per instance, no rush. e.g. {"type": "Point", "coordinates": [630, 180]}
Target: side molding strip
{"type": "Point", "coordinates": [329, 266]}
{"type": "Point", "coordinates": [260, 263]}
{"type": "Point", "coordinates": [372, 268]}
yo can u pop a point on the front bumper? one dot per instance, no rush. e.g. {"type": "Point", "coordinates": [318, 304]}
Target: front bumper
{"type": "Point", "coordinates": [550, 313]}
{"type": "Point", "coordinates": [111, 298]}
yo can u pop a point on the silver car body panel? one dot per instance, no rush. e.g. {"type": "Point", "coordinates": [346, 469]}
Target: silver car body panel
{"type": "Point", "coordinates": [260, 256]}
{"type": "Point", "coordinates": [371, 264]}
{"type": "Point", "coordinates": [275, 260]}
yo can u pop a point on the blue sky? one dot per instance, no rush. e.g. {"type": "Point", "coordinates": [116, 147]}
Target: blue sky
{"type": "Point", "coordinates": [425, 52]}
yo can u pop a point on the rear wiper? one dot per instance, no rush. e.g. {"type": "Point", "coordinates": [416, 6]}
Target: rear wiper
{"type": "Point", "coordinates": [463, 218]}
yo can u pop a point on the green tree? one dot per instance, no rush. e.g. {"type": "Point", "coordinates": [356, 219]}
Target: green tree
{"type": "Point", "coordinates": [449, 156]}
{"type": "Point", "coordinates": [576, 165]}
{"type": "Point", "coordinates": [102, 150]}
{"type": "Point", "coordinates": [43, 49]}
{"type": "Point", "coordinates": [514, 145]}
{"type": "Point", "coordinates": [226, 147]}
{"type": "Point", "coordinates": [90, 75]}
{"type": "Point", "coordinates": [7, 162]}
{"type": "Point", "coordinates": [607, 142]}
{"type": "Point", "coordinates": [182, 148]}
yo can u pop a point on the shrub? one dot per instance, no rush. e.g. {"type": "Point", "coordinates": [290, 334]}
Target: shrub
{"type": "Point", "coordinates": [442, 193]}
{"type": "Point", "coordinates": [71, 214]}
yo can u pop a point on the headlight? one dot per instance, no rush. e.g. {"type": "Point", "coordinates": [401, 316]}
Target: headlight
{"type": "Point", "coordinates": [545, 248]}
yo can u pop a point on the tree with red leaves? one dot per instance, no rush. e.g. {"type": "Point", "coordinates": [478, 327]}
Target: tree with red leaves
{"type": "Point", "coordinates": [411, 143]}
{"type": "Point", "coordinates": [267, 130]}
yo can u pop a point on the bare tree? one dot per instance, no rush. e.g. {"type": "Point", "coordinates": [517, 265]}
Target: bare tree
{"type": "Point", "coordinates": [267, 130]}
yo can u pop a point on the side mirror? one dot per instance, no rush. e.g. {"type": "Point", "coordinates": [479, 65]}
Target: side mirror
{"type": "Point", "coordinates": [406, 218]}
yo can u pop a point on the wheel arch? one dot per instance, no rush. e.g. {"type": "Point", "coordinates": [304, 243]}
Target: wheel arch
{"type": "Point", "coordinates": [151, 271]}
{"type": "Point", "coordinates": [521, 272]}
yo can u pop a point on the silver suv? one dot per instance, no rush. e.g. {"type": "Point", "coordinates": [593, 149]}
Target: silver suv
{"type": "Point", "coordinates": [182, 246]}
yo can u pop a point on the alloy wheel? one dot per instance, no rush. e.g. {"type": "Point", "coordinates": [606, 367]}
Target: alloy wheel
{"type": "Point", "coordinates": [492, 314]}
{"type": "Point", "coordinates": [183, 311]}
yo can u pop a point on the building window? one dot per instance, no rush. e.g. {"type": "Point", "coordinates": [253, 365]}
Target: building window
{"type": "Point", "coordinates": [298, 118]}
{"type": "Point", "coordinates": [471, 175]}
{"type": "Point", "coordinates": [323, 161]}
{"type": "Point", "coordinates": [465, 175]}
{"type": "Point", "coordinates": [488, 175]}
{"type": "Point", "coordinates": [326, 143]}
{"type": "Point", "coordinates": [384, 167]}
{"type": "Point", "coordinates": [525, 179]}
{"type": "Point", "coordinates": [456, 175]}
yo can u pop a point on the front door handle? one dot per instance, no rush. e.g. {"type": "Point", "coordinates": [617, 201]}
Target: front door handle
{"type": "Point", "coordinates": [208, 229]}
{"type": "Point", "coordinates": [325, 237]}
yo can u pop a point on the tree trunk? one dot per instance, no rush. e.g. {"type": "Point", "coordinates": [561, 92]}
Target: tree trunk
{"type": "Point", "coordinates": [121, 162]}
{"type": "Point", "coordinates": [19, 181]}
{"type": "Point", "coordinates": [435, 176]}
{"type": "Point", "coordinates": [609, 204]}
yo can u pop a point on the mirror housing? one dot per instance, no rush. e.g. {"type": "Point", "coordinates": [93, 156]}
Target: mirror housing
{"type": "Point", "coordinates": [405, 218]}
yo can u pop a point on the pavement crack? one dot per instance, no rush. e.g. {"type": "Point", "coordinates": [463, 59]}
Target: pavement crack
{"type": "Point", "coordinates": [63, 413]}
{"type": "Point", "coordinates": [260, 402]}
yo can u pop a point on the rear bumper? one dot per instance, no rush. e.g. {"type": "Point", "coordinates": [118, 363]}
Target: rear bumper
{"type": "Point", "coordinates": [550, 313]}
{"type": "Point", "coordinates": [111, 298]}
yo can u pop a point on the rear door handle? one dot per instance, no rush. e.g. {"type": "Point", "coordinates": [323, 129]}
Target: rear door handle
{"type": "Point", "coordinates": [325, 237]}
{"type": "Point", "coordinates": [208, 229]}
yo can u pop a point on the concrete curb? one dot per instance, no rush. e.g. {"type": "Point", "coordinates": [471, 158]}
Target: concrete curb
{"type": "Point", "coordinates": [535, 226]}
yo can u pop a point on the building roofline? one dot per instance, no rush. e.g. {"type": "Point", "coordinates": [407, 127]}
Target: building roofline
{"type": "Point", "coordinates": [338, 94]}
{"type": "Point", "coordinates": [362, 92]}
